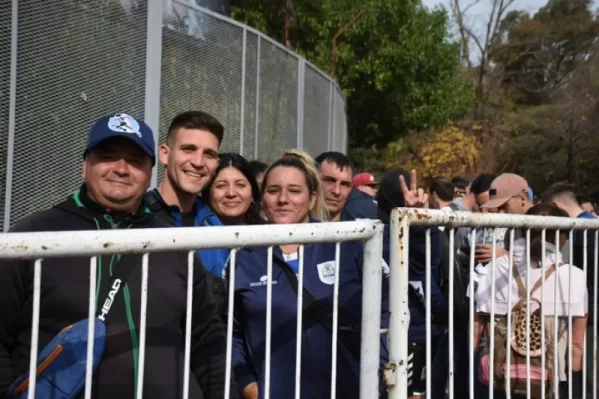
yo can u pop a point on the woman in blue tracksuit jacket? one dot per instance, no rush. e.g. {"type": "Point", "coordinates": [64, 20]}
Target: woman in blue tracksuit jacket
{"type": "Point", "coordinates": [392, 195]}
{"type": "Point", "coordinates": [291, 194]}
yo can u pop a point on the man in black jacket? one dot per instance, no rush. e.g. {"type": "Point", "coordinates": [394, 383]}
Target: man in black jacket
{"type": "Point", "coordinates": [118, 161]}
{"type": "Point", "coordinates": [190, 159]}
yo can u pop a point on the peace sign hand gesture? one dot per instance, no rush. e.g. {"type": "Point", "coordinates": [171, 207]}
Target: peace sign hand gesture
{"type": "Point", "coordinates": [414, 197]}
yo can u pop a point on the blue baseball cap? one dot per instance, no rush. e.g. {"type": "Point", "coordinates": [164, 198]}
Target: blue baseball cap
{"type": "Point", "coordinates": [122, 125]}
{"type": "Point", "coordinates": [531, 195]}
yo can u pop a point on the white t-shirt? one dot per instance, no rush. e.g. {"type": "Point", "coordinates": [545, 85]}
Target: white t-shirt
{"type": "Point", "coordinates": [504, 281]}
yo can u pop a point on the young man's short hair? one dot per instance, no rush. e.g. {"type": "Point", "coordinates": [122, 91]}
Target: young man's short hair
{"type": "Point", "coordinates": [442, 187]}
{"type": "Point", "coordinates": [196, 120]}
{"type": "Point", "coordinates": [482, 183]}
{"type": "Point", "coordinates": [460, 182]}
{"type": "Point", "coordinates": [563, 190]}
{"type": "Point", "coordinates": [339, 159]}
{"type": "Point", "coordinates": [583, 199]}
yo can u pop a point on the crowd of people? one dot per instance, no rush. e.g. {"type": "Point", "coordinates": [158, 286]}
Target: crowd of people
{"type": "Point", "coordinates": [203, 187]}
{"type": "Point", "coordinates": [496, 275]}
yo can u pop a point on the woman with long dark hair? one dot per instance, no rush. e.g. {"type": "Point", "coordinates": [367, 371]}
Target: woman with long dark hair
{"type": "Point", "coordinates": [233, 194]}
{"type": "Point", "coordinates": [234, 197]}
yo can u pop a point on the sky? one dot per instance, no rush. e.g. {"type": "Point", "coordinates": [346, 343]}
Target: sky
{"type": "Point", "coordinates": [484, 6]}
{"type": "Point", "coordinates": [478, 15]}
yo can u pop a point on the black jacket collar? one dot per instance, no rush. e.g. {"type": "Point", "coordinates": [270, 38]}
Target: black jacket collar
{"type": "Point", "coordinates": [83, 206]}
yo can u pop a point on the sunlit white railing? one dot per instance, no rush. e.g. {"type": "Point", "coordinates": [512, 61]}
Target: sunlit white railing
{"type": "Point", "coordinates": [39, 246]}
{"type": "Point", "coordinates": [396, 374]}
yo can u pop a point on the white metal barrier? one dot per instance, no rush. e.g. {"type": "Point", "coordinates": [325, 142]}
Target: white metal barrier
{"type": "Point", "coordinates": [38, 246]}
{"type": "Point", "coordinates": [396, 374]}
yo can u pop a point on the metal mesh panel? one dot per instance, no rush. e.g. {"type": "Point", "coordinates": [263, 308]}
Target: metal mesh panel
{"type": "Point", "coordinates": [251, 85]}
{"type": "Point", "coordinates": [316, 112]}
{"type": "Point", "coordinates": [77, 60]}
{"type": "Point", "coordinates": [5, 37]}
{"type": "Point", "coordinates": [278, 102]}
{"type": "Point", "coordinates": [201, 70]}
{"type": "Point", "coordinates": [339, 123]}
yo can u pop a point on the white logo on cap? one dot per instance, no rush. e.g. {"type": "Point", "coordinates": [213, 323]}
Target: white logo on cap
{"type": "Point", "coordinates": [124, 123]}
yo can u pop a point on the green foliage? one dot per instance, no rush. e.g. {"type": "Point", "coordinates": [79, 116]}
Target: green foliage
{"type": "Point", "coordinates": [401, 74]}
{"type": "Point", "coordinates": [557, 141]}
{"type": "Point", "coordinates": [532, 155]}
{"type": "Point", "coordinates": [395, 63]}
{"type": "Point", "coordinates": [367, 159]}
{"type": "Point", "coordinates": [264, 15]}
{"type": "Point", "coordinates": [437, 155]}
{"type": "Point", "coordinates": [538, 55]}
{"type": "Point", "coordinates": [546, 65]}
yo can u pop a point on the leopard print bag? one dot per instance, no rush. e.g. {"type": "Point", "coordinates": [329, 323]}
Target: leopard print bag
{"type": "Point", "coordinates": [540, 378]}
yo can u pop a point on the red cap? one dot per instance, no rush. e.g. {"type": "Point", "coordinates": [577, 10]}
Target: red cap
{"type": "Point", "coordinates": [364, 179]}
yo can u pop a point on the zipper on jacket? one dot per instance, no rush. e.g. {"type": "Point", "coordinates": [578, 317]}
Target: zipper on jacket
{"type": "Point", "coordinates": [110, 221]}
{"type": "Point", "coordinates": [126, 295]}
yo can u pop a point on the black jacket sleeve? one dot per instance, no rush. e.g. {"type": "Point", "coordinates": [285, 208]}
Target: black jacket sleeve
{"type": "Point", "coordinates": [15, 289]}
{"type": "Point", "coordinates": [219, 291]}
{"type": "Point", "coordinates": [208, 340]}
{"type": "Point", "coordinates": [418, 268]}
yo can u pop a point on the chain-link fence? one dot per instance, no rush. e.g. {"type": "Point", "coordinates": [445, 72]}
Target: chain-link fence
{"type": "Point", "coordinates": [65, 63]}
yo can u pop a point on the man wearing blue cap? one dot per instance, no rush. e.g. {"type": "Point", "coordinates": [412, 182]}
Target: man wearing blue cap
{"type": "Point", "coordinates": [117, 168]}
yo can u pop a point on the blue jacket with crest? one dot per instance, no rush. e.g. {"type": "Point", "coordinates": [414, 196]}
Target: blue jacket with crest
{"type": "Point", "coordinates": [250, 315]}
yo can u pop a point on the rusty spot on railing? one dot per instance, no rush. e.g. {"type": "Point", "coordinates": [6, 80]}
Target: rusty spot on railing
{"type": "Point", "coordinates": [421, 215]}
{"type": "Point", "coordinates": [389, 376]}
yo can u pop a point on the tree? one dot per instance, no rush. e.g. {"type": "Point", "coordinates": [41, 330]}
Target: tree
{"type": "Point", "coordinates": [399, 71]}
{"type": "Point", "coordinates": [548, 65]}
{"type": "Point", "coordinates": [484, 44]}
{"type": "Point", "coordinates": [561, 135]}
{"type": "Point", "coordinates": [450, 151]}
{"type": "Point", "coordinates": [538, 55]}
